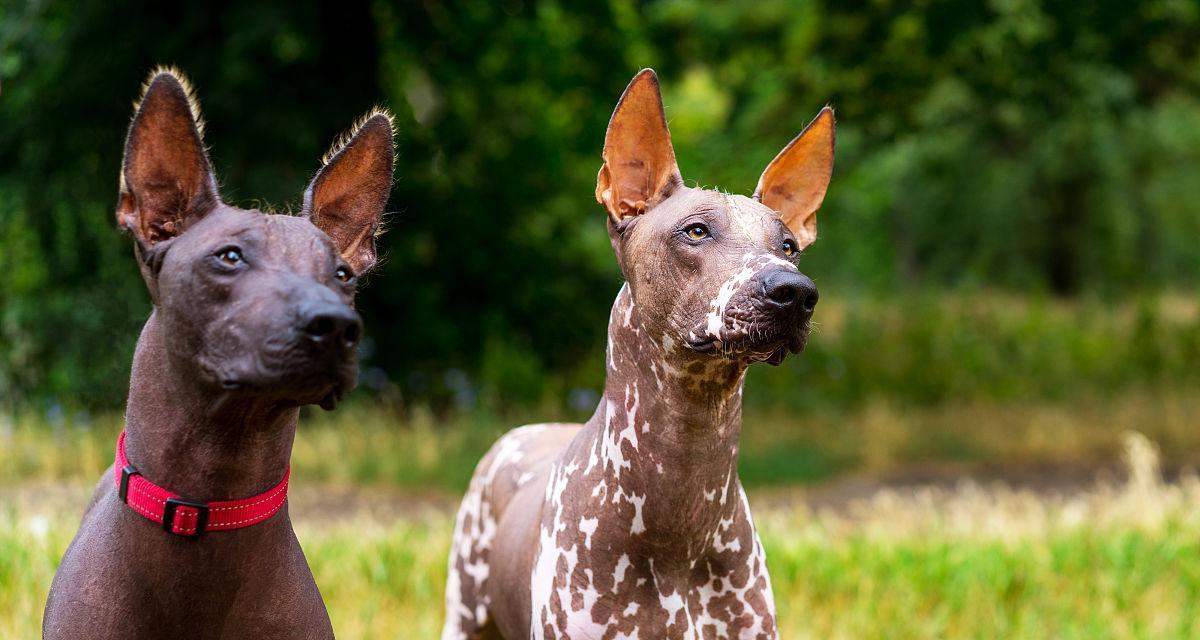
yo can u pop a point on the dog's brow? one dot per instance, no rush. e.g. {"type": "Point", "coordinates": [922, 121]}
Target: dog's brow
{"type": "Point", "coordinates": [756, 220]}
{"type": "Point", "coordinates": [782, 227]}
{"type": "Point", "coordinates": [738, 215]}
{"type": "Point", "coordinates": [239, 232]}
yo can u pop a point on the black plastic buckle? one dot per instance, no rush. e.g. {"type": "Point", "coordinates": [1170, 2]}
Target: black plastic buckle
{"type": "Point", "coordinates": [127, 473]}
{"type": "Point", "coordinates": [201, 508]}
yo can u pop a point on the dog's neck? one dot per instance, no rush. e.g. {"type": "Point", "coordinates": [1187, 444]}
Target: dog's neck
{"type": "Point", "coordinates": [681, 412]}
{"type": "Point", "coordinates": [206, 446]}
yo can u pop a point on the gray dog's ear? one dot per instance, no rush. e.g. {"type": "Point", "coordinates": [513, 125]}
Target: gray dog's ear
{"type": "Point", "coordinates": [347, 197]}
{"type": "Point", "coordinates": [794, 183]}
{"type": "Point", "coordinates": [167, 182]}
{"type": "Point", "coordinates": [639, 169]}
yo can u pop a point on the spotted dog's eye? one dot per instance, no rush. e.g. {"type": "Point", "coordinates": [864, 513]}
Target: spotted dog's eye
{"type": "Point", "coordinates": [231, 256]}
{"type": "Point", "coordinates": [789, 248]}
{"type": "Point", "coordinates": [343, 274]}
{"type": "Point", "coordinates": [697, 232]}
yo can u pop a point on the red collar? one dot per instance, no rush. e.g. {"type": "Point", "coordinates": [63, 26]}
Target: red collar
{"type": "Point", "coordinates": [185, 517]}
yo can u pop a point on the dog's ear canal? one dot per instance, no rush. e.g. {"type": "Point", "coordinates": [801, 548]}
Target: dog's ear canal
{"type": "Point", "coordinates": [347, 197]}
{"type": "Point", "coordinates": [167, 181]}
{"type": "Point", "coordinates": [639, 169]}
{"type": "Point", "coordinates": [794, 183]}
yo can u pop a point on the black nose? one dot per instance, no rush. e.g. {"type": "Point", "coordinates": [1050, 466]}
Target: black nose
{"type": "Point", "coordinates": [331, 325]}
{"type": "Point", "coordinates": [791, 289]}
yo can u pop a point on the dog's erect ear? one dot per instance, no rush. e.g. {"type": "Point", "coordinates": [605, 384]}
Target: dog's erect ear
{"type": "Point", "coordinates": [347, 197]}
{"type": "Point", "coordinates": [639, 168]}
{"type": "Point", "coordinates": [167, 182]}
{"type": "Point", "coordinates": [794, 183]}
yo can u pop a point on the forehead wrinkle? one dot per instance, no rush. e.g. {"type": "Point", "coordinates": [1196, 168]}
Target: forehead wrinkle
{"type": "Point", "coordinates": [270, 232]}
{"type": "Point", "coordinates": [293, 246]}
{"type": "Point", "coordinates": [237, 233]}
{"type": "Point", "coordinates": [754, 223]}
{"type": "Point", "coordinates": [739, 216]}
{"type": "Point", "coordinates": [299, 251]}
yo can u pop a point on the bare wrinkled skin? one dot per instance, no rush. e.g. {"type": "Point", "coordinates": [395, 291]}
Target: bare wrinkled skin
{"type": "Point", "coordinates": [241, 330]}
{"type": "Point", "coordinates": [634, 524]}
{"type": "Point", "coordinates": [253, 317]}
{"type": "Point", "coordinates": [709, 294]}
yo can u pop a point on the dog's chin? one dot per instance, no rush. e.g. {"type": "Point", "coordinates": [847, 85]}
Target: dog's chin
{"type": "Point", "coordinates": [781, 352]}
{"type": "Point", "coordinates": [773, 354]}
{"type": "Point", "coordinates": [332, 397]}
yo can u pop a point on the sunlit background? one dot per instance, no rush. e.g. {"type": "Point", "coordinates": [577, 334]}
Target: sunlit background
{"type": "Point", "coordinates": [1008, 261]}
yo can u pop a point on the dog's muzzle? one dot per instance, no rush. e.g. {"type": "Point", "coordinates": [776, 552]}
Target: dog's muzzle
{"type": "Point", "coordinates": [793, 296]}
{"type": "Point", "coordinates": [768, 320]}
{"type": "Point", "coordinates": [790, 293]}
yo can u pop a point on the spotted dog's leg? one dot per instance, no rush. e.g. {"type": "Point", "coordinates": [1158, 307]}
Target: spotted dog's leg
{"type": "Point", "coordinates": [732, 597]}
{"type": "Point", "coordinates": [470, 549]}
{"type": "Point", "coordinates": [499, 474]}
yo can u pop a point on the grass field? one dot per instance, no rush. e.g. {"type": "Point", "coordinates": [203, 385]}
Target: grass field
{"type": "Point", "coordinates": [1116, 561]}
{"type": "Point", "coordinates": [956, 560]}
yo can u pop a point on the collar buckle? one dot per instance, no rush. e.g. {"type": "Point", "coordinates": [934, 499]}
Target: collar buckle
{"type": "Point", "coordinates": [172, 507]}
{"type": "Point", "coordinates": [127, 472]}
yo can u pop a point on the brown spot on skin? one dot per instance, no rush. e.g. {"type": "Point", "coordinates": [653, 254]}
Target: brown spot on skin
{"type": "Point", "coordinates": [637, 518]}
{"type": "Point", "coordinates": [609, 473]}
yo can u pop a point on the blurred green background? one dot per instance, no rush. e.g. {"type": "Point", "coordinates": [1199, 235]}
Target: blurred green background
{"type": "Point", "coordinates": [1013, 213]}
{"type": "Point", "coordinates": [1008, 265]}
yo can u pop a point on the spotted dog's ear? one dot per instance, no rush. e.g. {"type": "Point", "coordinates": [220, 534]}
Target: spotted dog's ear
{"type": "Point", "coordinates": [639, 169]}
{"type": "Point", "coordinates": [167, 181]}
{"type": "Point", "coordinates": [794, 183]}
{"type": "Point", "coordinates": [347, 196]}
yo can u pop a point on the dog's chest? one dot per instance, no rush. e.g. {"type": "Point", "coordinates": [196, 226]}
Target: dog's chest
{"type": "Point", "coordinates": [721, 607]}
{"type": "Point", "coordinates": [598, 572]}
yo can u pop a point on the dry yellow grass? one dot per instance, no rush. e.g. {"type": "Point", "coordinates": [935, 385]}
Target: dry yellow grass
{"type": "Point", "coordinates": [1117, 560]}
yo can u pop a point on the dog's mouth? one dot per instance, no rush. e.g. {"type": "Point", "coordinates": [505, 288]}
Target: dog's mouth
{"type": "Point", "coordinates": [298, 382]}
{"type": "Point", "coordinates": [327, 395]}
{"type": "Point", "coordinates": [754, 344]}
{"type": "Point", "coordinates": [330, 400]}
{"type": "Point", "coordinates": [794, 344]}
{"type": "Point", "coordinates": [707, 344]}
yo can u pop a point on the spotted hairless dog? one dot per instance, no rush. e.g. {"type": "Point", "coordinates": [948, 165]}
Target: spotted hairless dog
{"type": "Point", "coordinates": [253, 317]}
{"type": "Point", "coordinates": [635, 524]}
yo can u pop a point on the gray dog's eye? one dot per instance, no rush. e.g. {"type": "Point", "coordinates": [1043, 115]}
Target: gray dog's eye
{"type": "Point", "coordinates": [343, 274]}
{"type": "Point", "coordinates": [697, 232]}
{"type": "Point", "coordinates": [230, 255]}
{"type": "Point", "coordinates": [789, 248]}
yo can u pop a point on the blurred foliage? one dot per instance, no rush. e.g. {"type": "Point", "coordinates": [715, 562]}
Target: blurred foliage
{"type": "Point", "coordinates": [1036, 146]}
{"type": "Point", "coordinates": [794, 443]}
{"type": "Point", "coordinates": [934, 348]}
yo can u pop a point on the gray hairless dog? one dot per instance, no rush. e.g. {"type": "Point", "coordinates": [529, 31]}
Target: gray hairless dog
{"type": "Point", "coordinates": [635, 524]}
{"type": "Point", "coordinates": [253, 317]}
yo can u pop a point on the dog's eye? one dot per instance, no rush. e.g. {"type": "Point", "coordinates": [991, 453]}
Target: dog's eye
{"type": "Point", "coordinates": [697, 232]}
{"type": "Point", "coordinates": [343, 274]}
{"type": "Point", "coordinates": [230, 256]}
{"type": "Point", "coordinates": [789, 248]}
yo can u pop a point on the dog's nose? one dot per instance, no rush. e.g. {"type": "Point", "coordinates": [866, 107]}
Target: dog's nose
{"type": "Point", "coordinates": [330, 324]}
{"type": "Point", "coordinates": [791, 289]}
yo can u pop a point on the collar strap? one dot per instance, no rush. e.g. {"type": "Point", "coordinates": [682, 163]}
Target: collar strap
{"type": "Point", "coordinates": [185, 517]}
